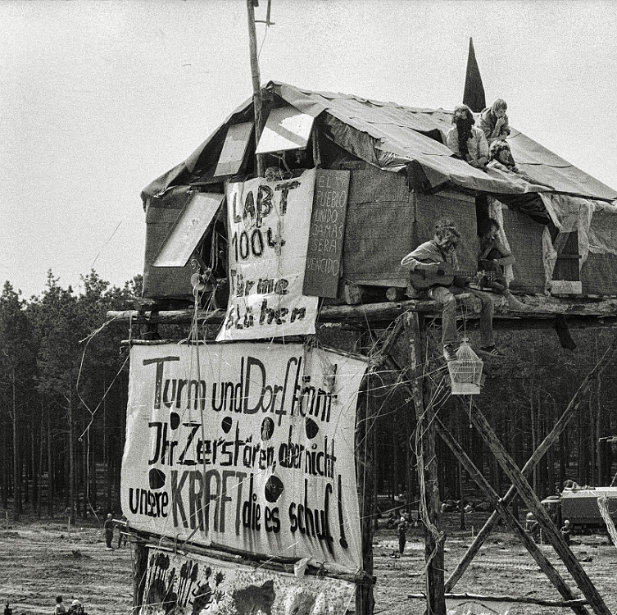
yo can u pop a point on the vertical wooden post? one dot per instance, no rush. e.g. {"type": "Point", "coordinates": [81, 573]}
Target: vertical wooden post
{"type": "Point", "coordinates": [140, 569]}
{"type": "Point", "coordinates": [365, 601]}
{"type": "Point", "coordinates": [427, 468]}
{"type": "Point", "coordinates": [461, 482]}
{"type": "Point", "coordinates": [257, 97]}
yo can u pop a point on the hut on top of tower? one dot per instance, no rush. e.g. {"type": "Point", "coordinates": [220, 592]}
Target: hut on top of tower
{"type": "Point", "coordinates": [396, 176]}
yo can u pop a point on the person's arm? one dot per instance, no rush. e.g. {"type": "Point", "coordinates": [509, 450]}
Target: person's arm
{"type": "Point", "coordinates": [492, 133]}
{"type": "Point", "coordinates": [485, 123]}
{"type": "Point", "coordinates": [482, 150]}
{"type": "Point", "coordinates": [452, 142]}
{"type": "Point", "coordinates": [506, 258]}
{"type": "Point", "coordinates": [413, 264]}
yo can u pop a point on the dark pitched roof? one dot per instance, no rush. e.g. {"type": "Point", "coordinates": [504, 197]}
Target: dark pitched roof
{"type": "Point", "coordinates": [391, 136]}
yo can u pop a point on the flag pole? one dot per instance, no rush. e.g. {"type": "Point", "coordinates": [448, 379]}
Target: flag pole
{"type": "Point", "coordinates": [257, 97]}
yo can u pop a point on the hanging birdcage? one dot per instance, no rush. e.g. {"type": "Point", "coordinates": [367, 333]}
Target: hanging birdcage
{"type": "Point", "coordinates": [465, 371]}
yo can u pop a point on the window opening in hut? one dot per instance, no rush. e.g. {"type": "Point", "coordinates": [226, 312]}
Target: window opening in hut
{"type": "Point", "coordinates": [189, 230]}
{"type": "Point", "coordinates": [234, 149]}
{"type": "Point", "coordinates": [286, 128]}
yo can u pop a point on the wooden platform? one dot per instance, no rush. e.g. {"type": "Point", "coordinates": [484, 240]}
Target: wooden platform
{"type": "Point", "coordinates": [541, 311]}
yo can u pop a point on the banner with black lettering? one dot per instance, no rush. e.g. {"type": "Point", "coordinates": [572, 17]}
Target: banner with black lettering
{"type": "Point", "coordinates": [250, 446]}
{"type": "Point", "coordinates": [268, 225]}
{"type": "Point", "coordinates": [193, 584]}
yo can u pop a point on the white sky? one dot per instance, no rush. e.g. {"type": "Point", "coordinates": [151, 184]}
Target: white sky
{"type": "Point", "coordinates": [99, 98]}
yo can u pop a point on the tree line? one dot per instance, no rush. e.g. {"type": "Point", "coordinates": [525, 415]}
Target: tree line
{"type": "Point", "coordinates": [63, 396]}
{"type": "Point", "coordinates": [64, 386]}
{"type": "Point", "coordinates": [523, 396]}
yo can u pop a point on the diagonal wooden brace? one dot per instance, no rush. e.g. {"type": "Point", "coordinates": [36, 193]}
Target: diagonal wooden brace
{"type": "Point", "coordinates": [532, 502]}
{"type": "Point", "coordinates": [538, 454]}
{"type": "Point", "coordinates": [501, 509]}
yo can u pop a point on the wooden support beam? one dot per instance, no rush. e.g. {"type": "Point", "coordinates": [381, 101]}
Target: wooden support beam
{"type": "Point", "coordinates": [378, 359]}
{"type": "Point", "coordinates": [246, 558]}
{"type": "Point", "coordinates": [532, 502]}
{"type": "Point", "coordinates": [508, 599]}
{"type": "Point", "coordinates": [365, 600]}
{"type": "Point", "coordinates": [255, 78]}
{"type": "Point", "coordinates": [535, 458]}
{"type": "Point", "coordinates": [534, 551]}
{"type": "Point", "coordinates": [427, 468]}
{"type": "Point", "coordinates": [542, 313]}
{"type": "Point", "coordinates": [507, 516]}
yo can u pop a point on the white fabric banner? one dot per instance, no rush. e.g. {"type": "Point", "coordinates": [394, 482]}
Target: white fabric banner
{"type": "Point", "coordinates": [194, 585]}
{"type": "Point", "coordinates": [269, 225]}
{"type": "Point", "coordinates": [250, 446]}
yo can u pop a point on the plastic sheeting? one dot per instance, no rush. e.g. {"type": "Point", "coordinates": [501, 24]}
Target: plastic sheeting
{"type": "Point", "coordinates": [391, 136]}
{"type": "Point", "coordinates": [594, 221]}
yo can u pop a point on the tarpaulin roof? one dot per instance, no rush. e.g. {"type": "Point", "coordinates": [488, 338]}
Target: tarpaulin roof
{"type": "Point", "coordinates": [391, 136]}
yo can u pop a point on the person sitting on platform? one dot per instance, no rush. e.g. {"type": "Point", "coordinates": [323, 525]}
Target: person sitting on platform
{"type": "Point", "coordinates": [429, 258]}
{"type": "Point", "coordinates": [493, 256]}
{"type": "Point", "coordinates": [494, 121]}
{"type": "Point", "coordinates": [465, 140]}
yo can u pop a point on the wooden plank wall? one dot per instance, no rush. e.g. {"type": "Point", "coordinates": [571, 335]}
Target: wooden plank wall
{"type": "Point", "coordinates": [525, 238]}
{"type": "Point", "coordinates": [161, 215]}
{"type": "Point", "coordinates": [380, 226]}
{"type": "Point", "coordinates": [599, 272]}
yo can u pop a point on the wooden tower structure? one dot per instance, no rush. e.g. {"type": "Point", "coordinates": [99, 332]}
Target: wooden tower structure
{"type": "Point", "coordinates": [400, 178]}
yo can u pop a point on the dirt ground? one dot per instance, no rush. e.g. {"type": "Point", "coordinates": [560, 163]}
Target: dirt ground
{"type": "Point", "coordinates": [39, 560]}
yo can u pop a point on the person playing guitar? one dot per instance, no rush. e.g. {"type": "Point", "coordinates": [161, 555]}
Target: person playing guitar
{"type": "Point", "coordinates": [431, 260]}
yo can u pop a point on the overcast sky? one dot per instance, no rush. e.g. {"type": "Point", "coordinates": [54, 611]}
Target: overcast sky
{"type": "Point", "coordinates": [99, 98]}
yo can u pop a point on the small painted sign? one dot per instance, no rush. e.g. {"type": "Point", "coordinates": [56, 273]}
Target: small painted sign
{"type": "Point", "coordinates": [327, 231]}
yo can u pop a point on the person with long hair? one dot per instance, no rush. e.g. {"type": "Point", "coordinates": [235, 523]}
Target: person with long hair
{"type": "Point", "coordinates": [500, 158]}
{"type": "Point", "coordinates": [465, 140]}
{"type": "Point", "coordinates": [438, 253]}
{"type": "Point", "coordinates": [494, 121]}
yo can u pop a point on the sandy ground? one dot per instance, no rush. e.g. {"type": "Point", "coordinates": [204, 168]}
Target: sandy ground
{"type": "Point", "coordinates": [39, 560]}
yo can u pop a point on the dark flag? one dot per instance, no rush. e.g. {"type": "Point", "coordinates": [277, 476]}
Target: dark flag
{"type": "Point", "coordinates": [474, 90]}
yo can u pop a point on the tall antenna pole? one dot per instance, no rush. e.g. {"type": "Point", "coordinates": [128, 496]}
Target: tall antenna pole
{"type": "Point", "coordinates": [257, 98]}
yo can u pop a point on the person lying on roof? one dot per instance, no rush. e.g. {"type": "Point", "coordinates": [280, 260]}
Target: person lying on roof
{"type": "Point", "coordinates": [465, 140]}
{"type": "Point", "coordinates": [500, 158]}
{"type": "Point", "coordinates": [494, 121]}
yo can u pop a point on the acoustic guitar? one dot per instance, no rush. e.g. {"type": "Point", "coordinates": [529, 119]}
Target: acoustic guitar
{"type": "Point", "coordinates": [444, 276]}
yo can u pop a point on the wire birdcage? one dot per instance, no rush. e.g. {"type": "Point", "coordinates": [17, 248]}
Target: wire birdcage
{"type": "Point", "coordinates": [465, 371]}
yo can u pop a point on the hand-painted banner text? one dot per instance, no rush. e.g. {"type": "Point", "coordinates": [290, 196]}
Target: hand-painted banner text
{"type": "Point", "coordinates": [250, 446]}
{"type": "Point", "coordinates": [268, 225]}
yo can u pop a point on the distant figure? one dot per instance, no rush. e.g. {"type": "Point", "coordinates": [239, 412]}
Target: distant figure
{"type": "Point", "coordinates": [566, 531]}
{"type": "Point", "coordinates": [76, 608]}
{"type": "Point", "coordinates": [7, 609]}
{"type": "Point", "coordinates": [122, 533]}
{"type": "Point", "coordinates": [60, 608]}
{"type": "Point", "coordinates": [465, 140]}
{"type": "Point", "coordinates": [402, 527]}
{"type": "Point", "coordinates": [109, 531]}
{"type": "Point", "coordinates": [494, 121]}
{"type": "Point", "coordinates": [532, 526]}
